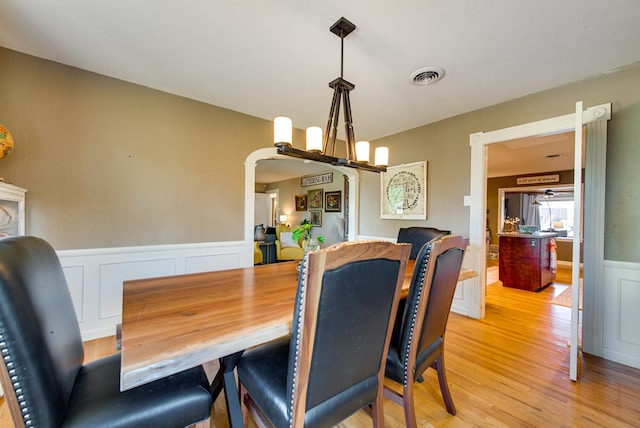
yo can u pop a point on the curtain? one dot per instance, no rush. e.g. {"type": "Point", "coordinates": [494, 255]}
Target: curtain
{"type": "Point", "coordinates": [530, 213]}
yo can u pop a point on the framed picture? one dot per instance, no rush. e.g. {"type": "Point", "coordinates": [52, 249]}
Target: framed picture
{"type": "Point", "coordinates": [333, 201]}
{"type": "Point", "coordinates": [301, 202]}
{"type": "Point", "coordinates": [403, 191]}
{"type": "Point", "coordinates": [315, 217]}
{"type": "Point", "coordinates": [314, 198]}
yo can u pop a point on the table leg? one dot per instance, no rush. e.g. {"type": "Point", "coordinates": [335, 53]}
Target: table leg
{"type": "Point", "coordinates": [225, 378]}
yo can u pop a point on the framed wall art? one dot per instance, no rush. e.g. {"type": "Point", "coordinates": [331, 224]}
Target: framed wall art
{"type": "Point", "coordinates": [404, 192]}
{"type": "Point", "coordinates": [333, 201]}
{"type": "Point", "coordinates": [301, 202]}
{"type": "Point", "coordinates": [315, 217]}
{"type": "Point", "coordinates": [314, 198]}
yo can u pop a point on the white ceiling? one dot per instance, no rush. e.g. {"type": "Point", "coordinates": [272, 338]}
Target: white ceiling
{"type": "Point", "coordinates": [271, 58]}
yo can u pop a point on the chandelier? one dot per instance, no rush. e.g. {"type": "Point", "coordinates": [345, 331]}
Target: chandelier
{"type": "Point", "coordinates": [321, 148]}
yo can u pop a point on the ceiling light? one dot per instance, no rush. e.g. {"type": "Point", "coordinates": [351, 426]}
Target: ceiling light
{"type": "Point", "coordinates": [322, 148]}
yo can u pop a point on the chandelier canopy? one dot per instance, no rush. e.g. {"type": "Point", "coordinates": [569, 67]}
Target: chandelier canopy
{"type": "Point", "coordinates": [321, 148]}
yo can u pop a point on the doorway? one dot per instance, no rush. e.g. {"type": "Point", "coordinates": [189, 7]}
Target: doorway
{"type": "Point", "coordinates": [251, 161]}
{"type": "Point", "coordinates": [595, 119]}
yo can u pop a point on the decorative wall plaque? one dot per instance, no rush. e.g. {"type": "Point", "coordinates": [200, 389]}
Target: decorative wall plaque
{"type": "Point", "coordinates": [404, 192]}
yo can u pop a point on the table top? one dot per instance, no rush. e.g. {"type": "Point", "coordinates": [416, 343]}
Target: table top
{"type": "Point", "coordinates": [173, 323]}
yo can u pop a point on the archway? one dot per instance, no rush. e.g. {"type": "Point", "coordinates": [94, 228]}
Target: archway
{"type": "Point", "coordinates": [249, 183]}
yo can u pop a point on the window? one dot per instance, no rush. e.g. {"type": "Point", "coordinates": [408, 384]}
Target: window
{"type": "Point", "coordinates": [546, 208]}
{"type": "Point", "coordinates": [557, 214]}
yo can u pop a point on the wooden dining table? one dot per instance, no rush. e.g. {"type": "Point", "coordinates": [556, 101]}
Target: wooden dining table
{"type": "Point", "coordinates": [173, 323]}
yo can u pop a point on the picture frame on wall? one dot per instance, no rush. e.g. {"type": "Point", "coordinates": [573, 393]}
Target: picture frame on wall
{"type": "Point", "coordinates": [314, 199]}
{"type": "Point", "coordinates": [301, 202]}
{"type": "Point", "coordinates": [315, 217]}
{"type": "Point", "coordinates": [403, 192]}
{"type": "Point", "coordinates": [333, 201]}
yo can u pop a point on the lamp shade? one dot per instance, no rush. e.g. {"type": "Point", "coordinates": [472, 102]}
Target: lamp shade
{"type": "Point", "coordinates": [314, 139]}
{"type": "Point", "coordinates": [283, 218]}
{"type": "Point", "coordinates": [362, 151]}
{"type": "Point", "coordinates": [282, 130]}
{"type": "Point", "coordinates": [382, 156]}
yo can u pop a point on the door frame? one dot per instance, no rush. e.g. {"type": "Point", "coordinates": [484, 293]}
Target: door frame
{"type": "Point", "coordinates": [595, 118]}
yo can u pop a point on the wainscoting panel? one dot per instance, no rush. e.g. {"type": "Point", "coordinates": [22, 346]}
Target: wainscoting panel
{"type": "Point", "coordinates": [112, 275]}
{"type": "Point", "coordinates": [95, 276]}
{"type": "Point", "coordinates": [74, 275]}
{"type": "Point", "coordinates": [621, 317]}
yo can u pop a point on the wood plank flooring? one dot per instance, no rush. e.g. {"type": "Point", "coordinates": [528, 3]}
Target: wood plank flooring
{"type": "Point", "coordinates": [508, 370]}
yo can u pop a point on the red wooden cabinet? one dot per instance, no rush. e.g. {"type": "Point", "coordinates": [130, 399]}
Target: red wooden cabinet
{"type": "Point", "coordinates": [524, 261]}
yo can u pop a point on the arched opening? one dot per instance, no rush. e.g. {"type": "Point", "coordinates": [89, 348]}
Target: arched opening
{"type": "Point", "coordinates": [249, 204]}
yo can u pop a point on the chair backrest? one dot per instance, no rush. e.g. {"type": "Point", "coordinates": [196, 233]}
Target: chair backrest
{"type": "Point", "coordinates": [39, 334]}
{"type": "Point", "coordinates": [347, 295]}
{"type": "Point", "coordinates": [418, 236]}
{"type": "Point", "coordinates": [433, 285]}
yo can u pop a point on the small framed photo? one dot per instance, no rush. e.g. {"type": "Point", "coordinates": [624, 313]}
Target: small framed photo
{"type": "Point", "coordinates": [301, 202]}
{"type": "Point", "coordinates": [333, 201]}
{"type": "Point", "coordinates": [315, 217]}
{"type": "Point", "coordinates": [314, 198]}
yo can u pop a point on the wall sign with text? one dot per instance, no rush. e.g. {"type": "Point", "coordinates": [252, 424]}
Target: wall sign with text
{"type": "Point", "coordinates": [404, 192]}
{"type": "Point", "coordinates": [316, 179]}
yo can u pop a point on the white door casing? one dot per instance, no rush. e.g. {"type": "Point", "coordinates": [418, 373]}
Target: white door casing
{"type": "Point", "coordinates": [595, 118]}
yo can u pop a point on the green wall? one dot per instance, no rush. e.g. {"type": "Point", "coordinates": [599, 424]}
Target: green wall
{"type": "Point", "coordinates": [445, 145]}
{"type": "Point", "coordinates": [109, 163]}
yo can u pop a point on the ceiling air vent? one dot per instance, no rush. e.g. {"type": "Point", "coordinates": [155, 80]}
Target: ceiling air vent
{"type": "Point", "coordinates": [426, 76]}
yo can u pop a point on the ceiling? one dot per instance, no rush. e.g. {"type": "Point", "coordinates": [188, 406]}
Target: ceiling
{"type": "Point", "coordinates": [276, 58]}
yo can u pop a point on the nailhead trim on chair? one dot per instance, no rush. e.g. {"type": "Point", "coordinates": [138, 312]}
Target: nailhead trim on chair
{"type": "Point", "coordinates": [423, 268]}
{"type": "Point", "coordinates": [303, 267]}
{"type": "Point", "coordinates": [15, 383]}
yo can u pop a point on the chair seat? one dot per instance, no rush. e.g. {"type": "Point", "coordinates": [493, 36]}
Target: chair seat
{"type": "Point", "coordinates": [270, 391]}
{"type": "Point", "coordinates": [96, 399]}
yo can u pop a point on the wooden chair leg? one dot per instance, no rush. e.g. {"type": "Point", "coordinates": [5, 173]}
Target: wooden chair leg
{"type": "Point", "coordinates": [243, 404]}
{"type": "Point", "coordinates": [409, 408]}
{"type": "Point", "coordinates": [377, 411]}
{"type": "Point", "coordinates": [444, 386]}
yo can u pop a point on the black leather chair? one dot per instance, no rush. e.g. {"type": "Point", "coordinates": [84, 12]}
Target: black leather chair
{"type": "Point", "coordinates": [418, 236]}
{"type": "Point", "coordinates": [43, 376]}
{"type": "Point", "coordinates": [418, 337]}
{"type": "Point", "coordinates": [333, 364]}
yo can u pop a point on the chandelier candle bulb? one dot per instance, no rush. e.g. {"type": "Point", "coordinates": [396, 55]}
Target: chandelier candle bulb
{"type": "Point", "coordinates": [282, 131]}
{"type": "Point", "coordinates": [382, 156]}
{"type": "Point", "coordinates": [314, 139]}
{"type": "Point", "coordinates": [362, 151]}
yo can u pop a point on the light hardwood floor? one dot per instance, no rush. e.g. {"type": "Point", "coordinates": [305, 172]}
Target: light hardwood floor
{"type": "Point", "coordinates": [508, 370]}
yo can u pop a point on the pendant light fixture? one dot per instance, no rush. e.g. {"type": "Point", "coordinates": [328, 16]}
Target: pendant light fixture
{"type": "Point", "coordinates": [321, 148]}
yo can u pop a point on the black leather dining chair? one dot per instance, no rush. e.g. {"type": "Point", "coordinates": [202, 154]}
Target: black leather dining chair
{"type": "Point", "coordinates": [418, 336]}
{"type": "Point", "coordinates": [333, 363]}
{"type": "Point", "coordinates": [418, 236]}
{"type": "Point", "coordinates": [43, 376]}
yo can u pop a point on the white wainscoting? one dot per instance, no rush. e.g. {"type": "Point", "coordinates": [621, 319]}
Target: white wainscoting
{"type": "Point", "coordinates": [621, 313]}
{"type": "Point", "coordinates": [95, 276]}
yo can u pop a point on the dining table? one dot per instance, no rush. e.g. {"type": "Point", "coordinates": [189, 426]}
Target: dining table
{"type": "Point", "coordinates": [173, 323]}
